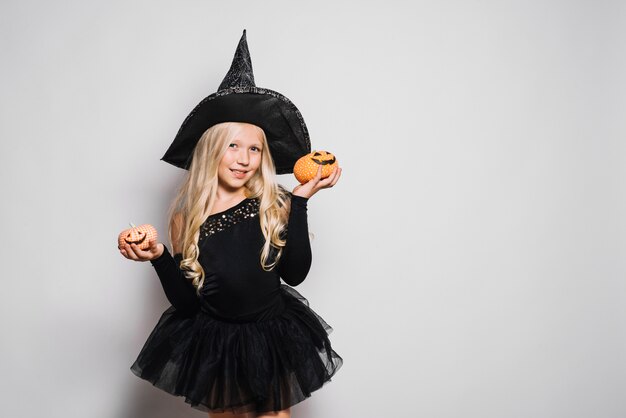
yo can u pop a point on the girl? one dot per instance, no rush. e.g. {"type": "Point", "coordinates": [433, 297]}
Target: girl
{"type": "Point", "coordinates": [236, 342]}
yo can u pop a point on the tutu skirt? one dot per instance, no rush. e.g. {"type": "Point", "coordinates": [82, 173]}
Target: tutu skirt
{"type": "Point", "coordinates": [221, 366]}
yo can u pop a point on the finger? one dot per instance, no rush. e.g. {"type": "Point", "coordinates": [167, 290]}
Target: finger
{"type": "Point", "coordinates": [152, 245]}
{"type": "Point", "coordinates": [315, 180]}
{"type": "Point", "coordinates": [130, 253]}
{"type": "Point", "coordinates": [318, 175]}
{"type": "Point", "coordinates": [142, 255]}
{"type": "Point", "coordinates": [331, 179]}
{"type": "Point", "coordinates": [328, 180]}
{"type": "Point", "coordinates": [154, 248]}
{"type": "Point", "coordinates": [336, 178]}
{"type": "Point", "coordinates": [333, 174]}
{"type": "Point", "coordinates": [321, 185]}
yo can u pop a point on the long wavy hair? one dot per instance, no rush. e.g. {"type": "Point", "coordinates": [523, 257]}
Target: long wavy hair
{"type": "Point", "coordinates": [197, 194]}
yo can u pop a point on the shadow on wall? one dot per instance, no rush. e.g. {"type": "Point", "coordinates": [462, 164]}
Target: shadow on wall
{"type": "Point", "coordinates": [145, 400]}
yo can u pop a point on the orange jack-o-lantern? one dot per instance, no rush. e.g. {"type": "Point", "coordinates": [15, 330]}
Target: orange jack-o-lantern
{"type": "Point", "coordinates": [140, 235]}
{"type": "Point", "coordinates": [306, 167]}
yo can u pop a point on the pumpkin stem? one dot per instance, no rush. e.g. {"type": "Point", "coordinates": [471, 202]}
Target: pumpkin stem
{"type": "Point", "coordinates": [132, 225]}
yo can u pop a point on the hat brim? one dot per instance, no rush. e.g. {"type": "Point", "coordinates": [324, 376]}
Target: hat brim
{"type": "Point", "coordinates": [284, 127]}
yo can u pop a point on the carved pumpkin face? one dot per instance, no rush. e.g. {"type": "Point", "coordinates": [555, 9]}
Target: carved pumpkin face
{"type": "Point", "coordinates": [306, 167]}
{"type": "Point", "coordinates": [140, 235]}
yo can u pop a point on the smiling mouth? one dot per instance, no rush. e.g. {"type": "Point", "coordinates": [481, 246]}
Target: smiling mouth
{"type": "Point", "coordinates": [238, 174]}
{"type": "Point", "coordinates": [129, 241]}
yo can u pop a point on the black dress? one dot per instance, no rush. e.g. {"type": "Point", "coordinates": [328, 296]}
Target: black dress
{"type": "Point", "coordinates": [248, 343]}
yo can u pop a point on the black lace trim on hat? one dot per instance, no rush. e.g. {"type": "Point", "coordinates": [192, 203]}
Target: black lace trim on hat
{"type": "Point", "coordinates": [249, 208]}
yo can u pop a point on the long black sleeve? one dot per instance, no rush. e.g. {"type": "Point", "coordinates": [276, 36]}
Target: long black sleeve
{"type": "Point", "coordinates": [295, 261]}
{"type": "Point", "coordinates": [178, 289]}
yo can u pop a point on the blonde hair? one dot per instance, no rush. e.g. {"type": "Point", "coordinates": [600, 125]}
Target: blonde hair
{"type": "Point", "coordinates": [196, 197]}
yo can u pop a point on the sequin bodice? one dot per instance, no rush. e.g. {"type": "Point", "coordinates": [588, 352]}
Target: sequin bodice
{"type": "Point", "coordinates": [220, 221]}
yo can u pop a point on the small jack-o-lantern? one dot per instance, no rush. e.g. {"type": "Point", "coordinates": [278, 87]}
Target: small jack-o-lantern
{"type": "Point", "coordinates": [140, 235]}
{"type": "Point", "coordinates": [306, 167]}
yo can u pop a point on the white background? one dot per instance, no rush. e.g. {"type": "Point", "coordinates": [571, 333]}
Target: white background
{"type": "Point", "coordinates": [470, 259]}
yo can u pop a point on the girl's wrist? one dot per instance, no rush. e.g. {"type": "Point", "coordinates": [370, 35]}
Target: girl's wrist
{"type": "Point", "coordinates": [293, 195]}
{"type": "Point", "coordinates": [299, 203]}
{"type": "Point", "coordinates": [160, 251]}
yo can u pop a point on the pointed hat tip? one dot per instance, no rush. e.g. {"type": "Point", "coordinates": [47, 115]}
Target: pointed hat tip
{"type": "Point", "coordinates": [240, 73]}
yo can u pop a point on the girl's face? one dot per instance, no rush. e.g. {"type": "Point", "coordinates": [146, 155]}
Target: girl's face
{"type": "Point", "coordinates": [242, 158]}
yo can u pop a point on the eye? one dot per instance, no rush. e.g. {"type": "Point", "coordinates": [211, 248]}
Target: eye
{"type": "Point", "coordinates": [256, 149]}
{"type": "Point", "coordinates": [232, 144]}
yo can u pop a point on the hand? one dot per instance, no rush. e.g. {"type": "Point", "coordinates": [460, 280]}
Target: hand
{"type": "Point", "coordinates": [133, 252]}
{"type": "Point", "coordinates": [311, 187]}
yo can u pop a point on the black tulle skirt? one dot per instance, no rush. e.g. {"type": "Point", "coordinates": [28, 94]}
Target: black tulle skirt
{"type": "Point", "coordinates": [223, 366]}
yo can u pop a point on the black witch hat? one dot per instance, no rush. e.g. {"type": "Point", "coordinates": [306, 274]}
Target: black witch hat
{"type": "Point", "coordinates": [239, 100]}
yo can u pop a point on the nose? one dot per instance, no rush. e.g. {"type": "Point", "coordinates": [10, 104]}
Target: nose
{"type": "Point", "coordinates": [242, 157]}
